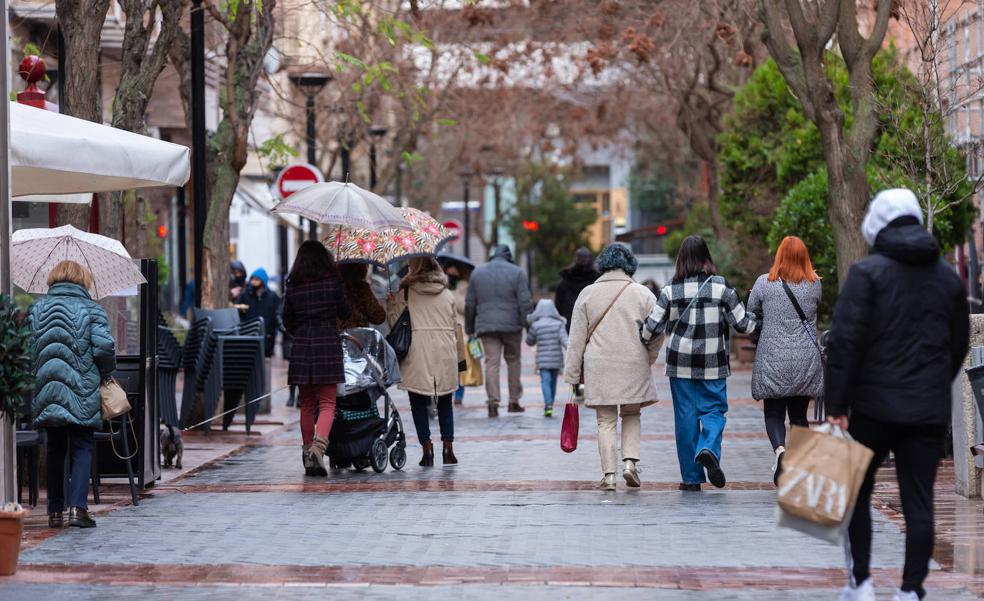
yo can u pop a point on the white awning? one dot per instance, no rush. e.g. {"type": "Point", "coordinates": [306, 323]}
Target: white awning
{"type": "Point", "coordinates": [52, 153]}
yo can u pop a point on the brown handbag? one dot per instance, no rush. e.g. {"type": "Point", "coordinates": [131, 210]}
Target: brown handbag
{"type": "Point", "coordinates": [591, 331]}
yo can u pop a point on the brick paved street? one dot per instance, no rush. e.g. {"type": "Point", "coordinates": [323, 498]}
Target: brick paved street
{"type": "Point", "coordinates": [517, 517]}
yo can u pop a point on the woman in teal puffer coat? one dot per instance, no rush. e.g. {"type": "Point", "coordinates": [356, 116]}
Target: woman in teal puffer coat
{"type": "Point", "coordinates": [73, 353]}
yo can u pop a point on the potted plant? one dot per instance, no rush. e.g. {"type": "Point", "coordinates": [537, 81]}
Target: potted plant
{"type": "Point", "coordinates": [16, 385]}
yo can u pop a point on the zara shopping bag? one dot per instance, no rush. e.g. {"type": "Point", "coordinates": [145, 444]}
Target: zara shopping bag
{"type": "Point", "coordinates": [822, 472]}
{"type": "Point", "coordinates": [568, 430]}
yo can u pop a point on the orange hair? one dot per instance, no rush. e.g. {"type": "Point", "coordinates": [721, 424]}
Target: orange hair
{"type": "Point", "coordinates": [792, 262]}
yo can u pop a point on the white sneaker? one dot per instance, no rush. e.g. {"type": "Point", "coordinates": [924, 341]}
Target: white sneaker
{"type": "Point", "coordinates": [864, 592]}
{"type": "Point", "coordinates": [901, 595]}
{"type": "Point", "coordinates": [607, 483]}
{"type": "Point", "coordinates": [775, 466]}
{"type": "Point", "coordinates": [631, 474]}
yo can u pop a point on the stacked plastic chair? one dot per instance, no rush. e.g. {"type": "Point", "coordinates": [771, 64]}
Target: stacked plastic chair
{"type": "Point", "coordinates": [193, 362]}
{"type": "Point", "coordinates": [169, 362]}
{"type": "Point", "coordinates": [241, 360]}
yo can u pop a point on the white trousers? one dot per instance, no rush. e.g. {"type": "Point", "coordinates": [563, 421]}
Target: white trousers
{"type": "Point", "coordinates": [607, 436]}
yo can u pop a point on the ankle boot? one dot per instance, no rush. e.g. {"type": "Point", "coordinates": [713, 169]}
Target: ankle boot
{"type": "Point", "coordinates": [428, 459]}
{"type": "Point", "coordinates": [79, 518]}
{"type": "Point", "coordinates": [449, 458]}
{"type": "Point", "coordinates": [493, 410]}
{"type": "Point", "coordinates": [316, 455]}
{"type": "Point", "coordinates": [309, 465]}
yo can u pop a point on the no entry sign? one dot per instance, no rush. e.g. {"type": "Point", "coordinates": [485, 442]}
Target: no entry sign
{"type": "Point", "coordinates": [297, 177]}
{"type": "Point", "coordinates": [455, 228]}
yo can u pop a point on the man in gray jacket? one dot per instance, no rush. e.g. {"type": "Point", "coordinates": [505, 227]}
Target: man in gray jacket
{"type": "Point", "coordinates": [496, 308]}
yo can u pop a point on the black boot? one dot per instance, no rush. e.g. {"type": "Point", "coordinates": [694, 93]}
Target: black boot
{"type": "Point", "coordinates": [428, 458]}
{"type": "Point", "coordinates": [449, 458]}
{"type": "Point", "coordinates": [493, 410]}
{"type": "Point", "coordinates": [56, 520]}
{"type": "Point", "coordinates": [79, 518]}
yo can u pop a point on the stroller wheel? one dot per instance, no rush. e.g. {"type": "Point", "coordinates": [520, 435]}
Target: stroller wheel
{"type": "Point", "coordinates": [398, 457]}
{"type": "Point", "coordinates": [377, 455]}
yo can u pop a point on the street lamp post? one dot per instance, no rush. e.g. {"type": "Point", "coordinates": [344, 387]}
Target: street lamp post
{"type": "Point", "coordinates": [310, 84]}
{"type": "Point", "coordinates": [466, 222]}
{"type": "Point", "coordinates": [375, 133]}
{"type": "Point", "coordinates": [198, 164]}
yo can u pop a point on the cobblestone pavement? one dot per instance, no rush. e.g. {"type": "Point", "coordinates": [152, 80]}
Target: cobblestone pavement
{"type": "Point", "coordinates": [516, 517]}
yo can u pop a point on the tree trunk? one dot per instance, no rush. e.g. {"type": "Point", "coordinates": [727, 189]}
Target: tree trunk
{"type": "Point", "coordinates": [81, 23]}
{"type": "Point", "coordinates": [847, 193]}
{"type": "Point", "coordinates": [713, 192]}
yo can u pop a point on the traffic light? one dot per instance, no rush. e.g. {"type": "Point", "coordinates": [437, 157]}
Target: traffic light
{"type": "Point", "coordinates": [162, 231]}
{"type": "Point", "coordinates": [531, 226]}
{"type": "Point", "coordinates": [661, 230]}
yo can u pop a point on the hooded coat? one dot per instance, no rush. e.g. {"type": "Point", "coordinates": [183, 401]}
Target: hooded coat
{"type": "Point", "coordinates": [73, 353]}
{"type": "Point", "coordinates": [900, 330]}
{"type": "Point", "coordinates": [431, 365]}
{"type": "Point", "coordinates": [548, 333]}
{"type": "Point", "coordinates": [498, 300]}
{"type": "Point", "coordinates": [264, 303]}
{"type": "Point", "coordinates": [573, 280]}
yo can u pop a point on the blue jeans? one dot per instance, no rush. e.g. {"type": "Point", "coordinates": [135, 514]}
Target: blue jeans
{"type": "Point", "coordinates": [459, 395]}
{"type": "Point", "coordinates": [75, 444]}
{"type": "Point", "coordinates": [548, 383]}
{"type": "Point", "coordinates": [421, 419]}
{"type": "Point", "coordinates": [698, 417]}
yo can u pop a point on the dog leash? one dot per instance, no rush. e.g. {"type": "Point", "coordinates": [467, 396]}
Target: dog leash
{"type": "Point", "coordinates": [234, 409]}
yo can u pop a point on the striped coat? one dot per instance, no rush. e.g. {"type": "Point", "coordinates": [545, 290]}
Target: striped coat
{"type": "Point", "coordinates": [311, 312]}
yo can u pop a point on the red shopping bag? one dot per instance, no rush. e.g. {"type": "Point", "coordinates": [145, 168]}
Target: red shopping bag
{"type": "Point", "coordinates": [568, 431]}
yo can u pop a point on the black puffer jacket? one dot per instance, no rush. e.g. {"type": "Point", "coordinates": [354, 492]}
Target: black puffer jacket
{"type": "Point", "coordinates": [572, 281]}
{"type": "Point", "coordinates": [900, 331]}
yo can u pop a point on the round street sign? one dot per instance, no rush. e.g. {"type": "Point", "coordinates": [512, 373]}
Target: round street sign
{"type": "Point", "coordinates": [297, 177]}
{"type": "Point", "coordinates": [455, 228]}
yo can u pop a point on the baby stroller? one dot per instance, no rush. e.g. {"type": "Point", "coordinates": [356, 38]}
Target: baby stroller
{"type": "Point", "coordinates": [360, 437]}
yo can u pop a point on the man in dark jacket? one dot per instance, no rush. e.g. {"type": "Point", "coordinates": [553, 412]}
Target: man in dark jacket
{"type": "Point", "coordinates": [899, 337]}
{"type": "Point", "coordinates": [573, 280]}
{"type": "Point", "coordinates": [496, 308]}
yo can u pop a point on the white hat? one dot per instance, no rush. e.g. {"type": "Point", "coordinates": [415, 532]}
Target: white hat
{"type": "Point", "coordinates": [887, 206]}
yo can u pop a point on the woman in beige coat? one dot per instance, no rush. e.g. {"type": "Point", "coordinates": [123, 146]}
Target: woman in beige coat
{"type": "Point", "coordinates": [617, 367]}
{"type": "Point", "coordinates": [430, 368]}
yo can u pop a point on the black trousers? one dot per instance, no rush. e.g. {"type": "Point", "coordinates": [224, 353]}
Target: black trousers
{"type": "Point", "coordinates": [775, 417]}
{"type": "Point", "coordinates": [917, 449]}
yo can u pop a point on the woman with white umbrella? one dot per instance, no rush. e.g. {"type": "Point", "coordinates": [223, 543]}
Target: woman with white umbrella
{"type": "Point", "coordinates": [74, 352]}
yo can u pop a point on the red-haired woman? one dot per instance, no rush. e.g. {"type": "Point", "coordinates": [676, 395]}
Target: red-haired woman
{"type": "Point", "coordinates": [788, 371]}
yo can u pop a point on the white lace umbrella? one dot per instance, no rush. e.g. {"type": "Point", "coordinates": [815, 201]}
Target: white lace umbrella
{"type": "Point", "coordinates": [335, 203]}
{"type": "Point", "coordinates": [35, 252]}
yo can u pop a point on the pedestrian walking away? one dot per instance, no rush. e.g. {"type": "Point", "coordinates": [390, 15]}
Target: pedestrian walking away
{"type": "Point", "coordinates": [695, 312]}
{"type": "Point", "coordinates": [313, 304]}
{"type": "Point", "coordinates": [573, 279]}
{"type": "Point", "coordinates": [73, 353]}
{"type": "Point", "coordinates": [605, 353]}
{"type": "Point", "coordinates": [788, 368]}
{"type": "Point", "coordinates": [548, 333]}
{"type": "Point", "coordinates": [496, 311]}
{"type": "Point", "coordinates": [366, 309]}
{"type": "Point", "coordinates": [430, 369]}
{"type": "Point", "coordinates": [259, 301]}
{"type": "Point", "coordinates": [899, 337]}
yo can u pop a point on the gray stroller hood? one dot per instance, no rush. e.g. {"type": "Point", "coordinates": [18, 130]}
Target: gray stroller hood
{"type": "Point", "coordinates": [370, 362]}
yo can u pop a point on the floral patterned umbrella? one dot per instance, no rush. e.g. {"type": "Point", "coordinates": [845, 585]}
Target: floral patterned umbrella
{"type": "Point", "coordinates": [35, 252]}
{"type": "Point", "coordinates": [383, 246]}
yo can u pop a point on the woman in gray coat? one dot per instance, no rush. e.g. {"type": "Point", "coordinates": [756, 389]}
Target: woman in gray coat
{"type": "Point", "coordinates": [788, 369]}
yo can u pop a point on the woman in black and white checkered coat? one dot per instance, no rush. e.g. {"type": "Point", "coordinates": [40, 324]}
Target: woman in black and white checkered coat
{"type": "Point", "coordinates": [695, 312]}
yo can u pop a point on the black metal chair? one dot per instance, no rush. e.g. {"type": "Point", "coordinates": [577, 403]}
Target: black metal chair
{"type": "Point", "coordinates": [168, 364]}
{"type": "Point", "coordinates": [119, 439]}
{"type": "Point", "coordinates": [28, 460]}
{"type": "Point", "coordinates": [193, 362]}
{"type": "Point", "coordinates": [242, 367]}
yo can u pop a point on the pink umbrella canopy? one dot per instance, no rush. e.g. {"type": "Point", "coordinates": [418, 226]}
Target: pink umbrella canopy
{"type": "Point", "coordinates": [383, 246]}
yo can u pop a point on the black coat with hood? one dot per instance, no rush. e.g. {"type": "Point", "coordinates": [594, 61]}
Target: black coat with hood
{"type": "Point", "coordinates": [900, 331]}
{"type": "Point", "coordinates": [573, 280]}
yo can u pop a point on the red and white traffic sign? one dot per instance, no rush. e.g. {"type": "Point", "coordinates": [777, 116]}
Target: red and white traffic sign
{"type": "Point", "coordinates": [297, 177]}
{"type": "Point", "coordinates": [455, 228]}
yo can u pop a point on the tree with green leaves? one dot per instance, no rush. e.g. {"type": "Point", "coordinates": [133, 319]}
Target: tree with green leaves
{"type": "Point", "coordinates": [561, 224]}
{"type": "Point", "coordinates": [775, 180]}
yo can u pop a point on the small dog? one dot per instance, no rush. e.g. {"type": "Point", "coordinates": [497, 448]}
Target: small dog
{"type": "Point", "coordinates": [172, 446]}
